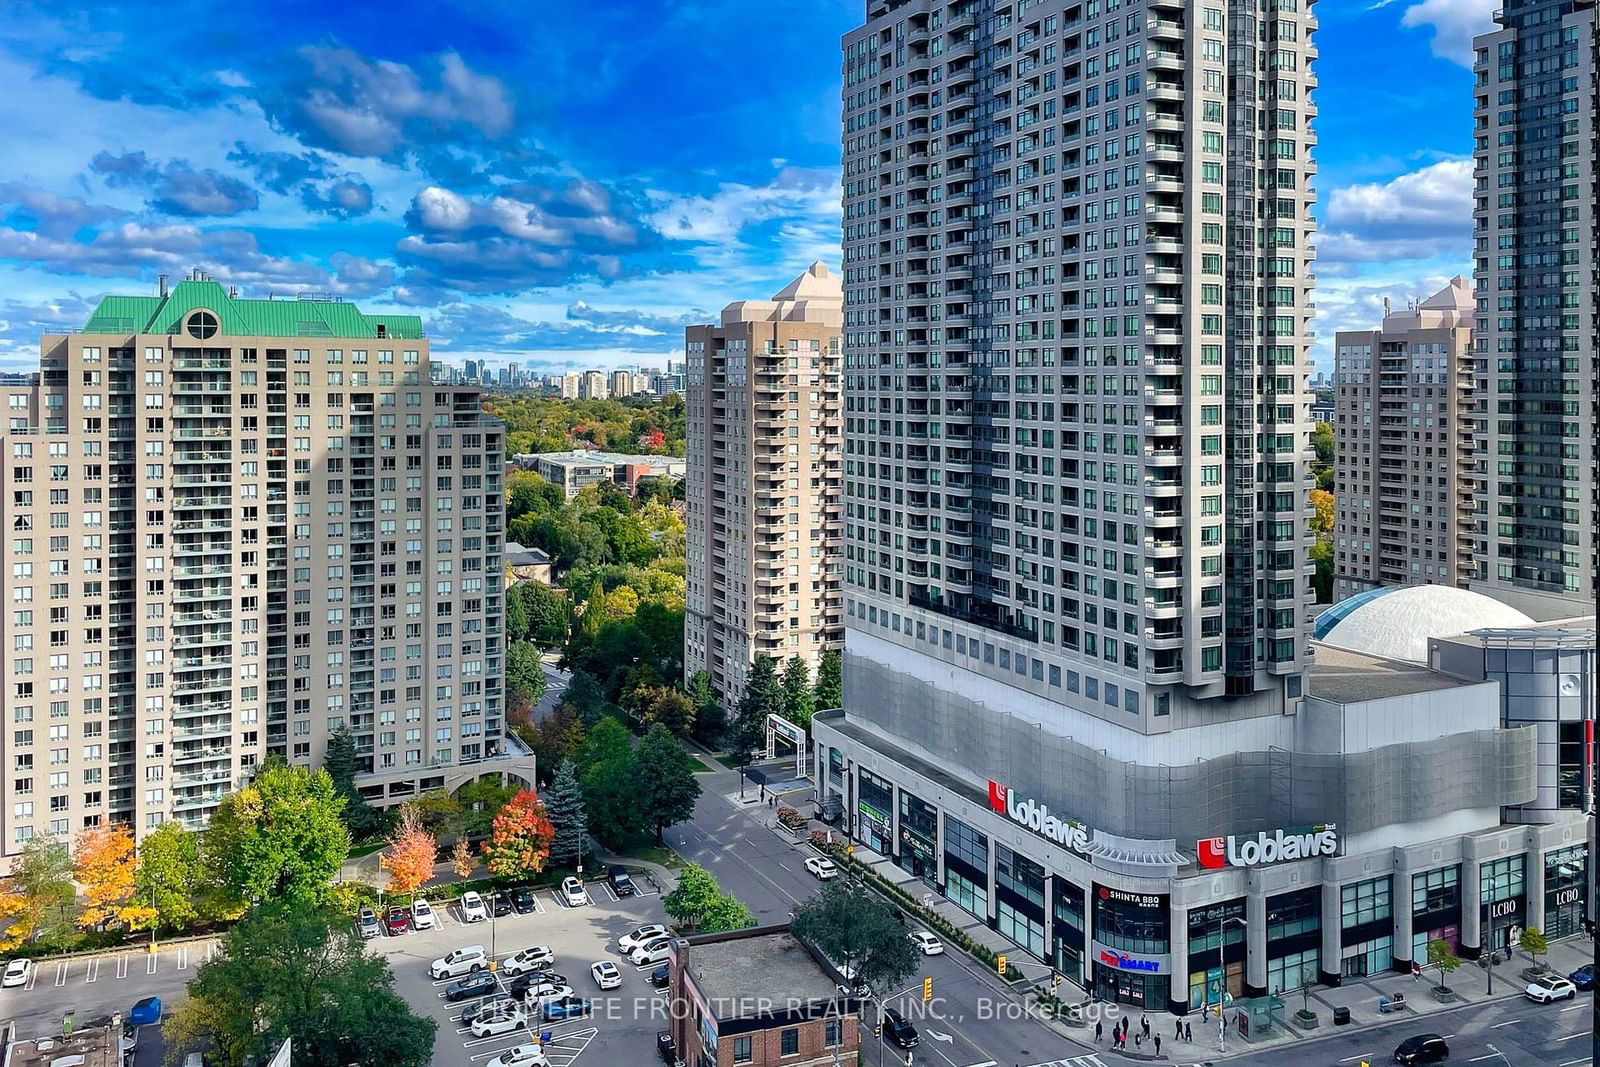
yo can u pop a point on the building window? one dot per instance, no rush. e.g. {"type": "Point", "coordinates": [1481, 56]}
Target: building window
{"type": "Point", "coordinates": [789, 1042]}
{"type": "Point", "coordinates": [833, 1033]}
{"type": "Point", "coordinates": [1289, 973]}
{"type": "Point", "coordinates": [1365, 902]}
{"type": "Point", "coordinates": [741, 1050]}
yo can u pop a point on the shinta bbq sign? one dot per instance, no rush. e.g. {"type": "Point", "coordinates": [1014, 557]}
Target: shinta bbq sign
{"type": "Point", "coordinates": [1278, 846]}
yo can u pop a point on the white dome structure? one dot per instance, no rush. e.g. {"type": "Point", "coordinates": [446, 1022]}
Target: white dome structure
{"type": "Point", "coordinates": [1395, 622]}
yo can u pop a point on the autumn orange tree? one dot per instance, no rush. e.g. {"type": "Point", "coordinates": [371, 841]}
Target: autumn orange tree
{"type": "Point", "coordinates": [409, 859]}
{"type": "Point", "coordinates": [105, 865]}
{"type": "Point", "coordinates": [519, 841]}
{"type": "Point", "coordinates": [461, 858]}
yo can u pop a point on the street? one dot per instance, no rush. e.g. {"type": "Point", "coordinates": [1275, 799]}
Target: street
{"type": "Point", "coordinates": [982, 1019]}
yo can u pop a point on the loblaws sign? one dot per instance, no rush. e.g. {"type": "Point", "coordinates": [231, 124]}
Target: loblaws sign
{"type": "Point", "coordinates": [1068, 833]}
{"type": "Point", "coordinates": [1279, 846]}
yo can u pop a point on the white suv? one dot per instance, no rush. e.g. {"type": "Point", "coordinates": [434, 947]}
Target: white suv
{"type": "Point", "coordinates": [462, 961]}
{"type": "Point", "coordinates": [473, 909]}
{"type": "Point", "coordinates": [1548, 987]}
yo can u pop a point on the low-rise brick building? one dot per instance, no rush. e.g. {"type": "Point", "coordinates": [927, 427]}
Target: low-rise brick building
{"type": "Point", "coordinates": [750, 998]}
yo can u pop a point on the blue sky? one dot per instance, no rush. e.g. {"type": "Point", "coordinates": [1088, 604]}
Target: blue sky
{"type": "Point", "coordinates": [565, 183]}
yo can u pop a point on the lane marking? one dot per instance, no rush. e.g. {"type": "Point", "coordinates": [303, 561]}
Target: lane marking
{"type": "Point", "coordinates": [1508, 1022]}
{"type": "Point", "coordinates": [150, 963]}
{"type": "Point", "coordinates": [1352, 1059]}
{"type": "Point", "coordinates": [1575, 1007]}
{"type": "Point", "coordinates": [122, 965]}
{"type": "Point", "coordinates": [33, 978]}
{"type": "Point", "coordinates": [1573, 1037]}
{"type": "Point", "coordinates": [1490, 1056]}
{"type": "Point", "coordinates": [61, 974]}
{"type": "Point", "coordinates": [93, 971]}
{"type": "Point", "coordinates": [183, 957]}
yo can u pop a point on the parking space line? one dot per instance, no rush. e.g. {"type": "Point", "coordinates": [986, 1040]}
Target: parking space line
{"type": "Point", "coordinates": [61, 974]}
{"type": "Point", "coordinates": [122, 965]}
{"type": "Point", "coordinates": [211, 950]}
{"type": "Point", "coordinates": [183, 957]}
{"type": "Point", "coordinates": [33, 978]}
{"type": "Point", "coordinates": [1571, 1037]}
{"type": "Point", "coordinates": [150, 966]}
{"type": "Point", "coordinates": [612, 893]}
{"type": "Point", "coordinates": [93, 971]}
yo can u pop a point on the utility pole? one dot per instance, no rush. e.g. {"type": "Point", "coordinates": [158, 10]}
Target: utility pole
{"type": "Point", "coordinates": [1222, 965]}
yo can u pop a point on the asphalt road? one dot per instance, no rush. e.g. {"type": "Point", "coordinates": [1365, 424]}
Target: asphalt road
{"type": "Point", "coordinates": [99, 986]}
{"type": "Point", "coordinates": [983, 1021]}
{"type": "Point", "coordinates": [1521, 1033]}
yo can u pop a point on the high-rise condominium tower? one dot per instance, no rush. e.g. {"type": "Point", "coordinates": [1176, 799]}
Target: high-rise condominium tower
{"type": "Point", "coordinates": [763, 491]}
{"type": "Point", "coordinates": [1077, 276]}
{"type": "Point", "coordinates": [592, 386]}
{"type": "Point", "coordinates": [1535, 236]}
{"type": "Point", "coordinates": [232, 527]}
{"type": "Point", "coordinates": [1403, 447]}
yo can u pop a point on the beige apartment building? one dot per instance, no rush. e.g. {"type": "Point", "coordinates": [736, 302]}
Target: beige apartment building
{"type": "Point", "coordinates": [621, 384]}
{"type": "Point", "coordinates": [1403, 447]}
{"type": "Point", "coordinates": [592, 386]}
{"type": "Point", "coordinates": [232, 527]}
{"type": "Point", "coordinates": [764, 491]}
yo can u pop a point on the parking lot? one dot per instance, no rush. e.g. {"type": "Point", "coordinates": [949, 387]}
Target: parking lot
{"type": "Point", "coordinates": [622, 1028]}
{"type": "Point", "coordinates": [98, 986]}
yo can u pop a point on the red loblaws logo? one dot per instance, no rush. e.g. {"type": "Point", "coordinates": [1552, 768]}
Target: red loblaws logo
{"type": "Point", "coordinates": [997, 796]}
{"type": "Point", "coordinates": [1037, 817]}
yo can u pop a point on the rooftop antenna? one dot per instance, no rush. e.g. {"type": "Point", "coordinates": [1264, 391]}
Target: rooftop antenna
{"type": "Point", "coordinates": [162, 280]}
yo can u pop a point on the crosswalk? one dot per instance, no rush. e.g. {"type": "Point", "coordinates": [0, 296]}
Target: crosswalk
{"type": "Point", "coordinates": [1076, 1061]}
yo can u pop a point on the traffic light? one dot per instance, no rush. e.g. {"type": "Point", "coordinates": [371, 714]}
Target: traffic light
{"type": "Point", "coordinates": [1055, 981]}
{"type": "Point", "coordinates": [877, 1031]}
{"type": "Point", "coordinates": [1000, 965]}
{"type": "Point", "coordinates": [927, 990]}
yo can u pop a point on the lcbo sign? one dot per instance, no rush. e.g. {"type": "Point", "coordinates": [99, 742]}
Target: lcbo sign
{"type": "Point", "coordinates": [1277, 847]}
{"type": "Point", "coordinates": [1035, 816]}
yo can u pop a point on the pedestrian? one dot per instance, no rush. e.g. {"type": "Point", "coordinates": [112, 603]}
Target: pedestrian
{"type": "Point", "coordinates": [1157, 1040]}
{"type": "Point", "coordinates": [1188, 1033]}
{"type": "Point", "coordinates": [1177, 1031]}
{"type": "Point", "coordinates": [1144, 1024]}
{"type": "Point", "coordinates": [1138, 1039]}
{"type": "Point", "coordinates": [1099, 1028]}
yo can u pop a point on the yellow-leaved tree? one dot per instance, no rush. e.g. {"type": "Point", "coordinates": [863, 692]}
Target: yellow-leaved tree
{"type": "Point", "coordinates": [105, 864]}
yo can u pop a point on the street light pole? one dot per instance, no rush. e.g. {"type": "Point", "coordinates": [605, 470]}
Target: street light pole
{"type": "Point", "coordinates": [493, 929]}
{"type": "Point", "coordinates": [1222, 966]}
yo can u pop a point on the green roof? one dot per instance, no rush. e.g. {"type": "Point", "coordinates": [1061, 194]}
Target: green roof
{"type": "Point", "coordinates": [245, 318]}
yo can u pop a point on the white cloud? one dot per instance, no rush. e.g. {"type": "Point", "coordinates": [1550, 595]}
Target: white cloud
{"type": "Point", "coordinates": [721, 216]}
{"type": "Point", "coordinates": [1419, 215]}
{"type": "Point", "coordinates": [1454, 23]}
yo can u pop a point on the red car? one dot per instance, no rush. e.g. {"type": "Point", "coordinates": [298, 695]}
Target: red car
{"type": "Point", "coordinates": [396, 920]}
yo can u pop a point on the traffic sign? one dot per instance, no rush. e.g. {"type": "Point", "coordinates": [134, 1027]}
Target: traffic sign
{"type": "Point", "coordinates": [927, 990]}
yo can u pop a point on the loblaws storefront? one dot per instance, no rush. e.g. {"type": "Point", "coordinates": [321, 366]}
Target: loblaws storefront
{"type": "Point", "coordinates": [1150, 924]}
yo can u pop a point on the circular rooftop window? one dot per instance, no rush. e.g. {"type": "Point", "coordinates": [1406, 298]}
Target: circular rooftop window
{"type": "Point", "coordinates": [203, 325]}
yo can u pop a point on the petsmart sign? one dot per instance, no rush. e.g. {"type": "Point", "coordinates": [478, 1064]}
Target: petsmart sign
{"type": "Point", "coordinates": [1068, 833]}
{"type": "Point", "coordinates": [1262, 849]}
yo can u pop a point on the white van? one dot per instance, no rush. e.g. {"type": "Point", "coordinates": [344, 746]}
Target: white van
{"type": "Point", "coordinates": [462, 961]}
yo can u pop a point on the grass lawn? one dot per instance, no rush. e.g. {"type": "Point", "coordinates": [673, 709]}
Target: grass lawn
{"type": "Point", "coordinates": [653, 853]}
{"type": "Point", "coordinates": [700, 766]}
{"type": "Point", "coordinates": [729, 762]}
{"type": "Point", "coordinates": [368, 849]}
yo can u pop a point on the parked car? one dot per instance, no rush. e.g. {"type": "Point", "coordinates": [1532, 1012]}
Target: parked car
{"type": "Point", "coordinates": [568, 1007]}
{"type": "Point", "coordinates": [367, 924]}
{"type": "Point", "coordinates": [422, 915]}
{"type": "Point", "coordinates": [529, 959]}
{"type": "Point", "coordinates": [1422, 1048]}
{"type": "Point", "coordinates": [499, 1021]}
{"type": "Point", "coordinates": [146, 1012]}
{"type": "Point", "coordinates": [500, 904]}
{"type": "Point", "coordinates": [898, 1031]}
{"type": "Point", "coordinates": [485, 1006]}
{"type": "Point", "coordinates": [606, 975]}
{"type": "Point", "coordinates": [620, 881]}
{"type": "Point", "coordinates": [18, 971]}
{"type": "Point", "coordinates": [930, 945]}
{"type": "Point", "coordinates": [473, 909]}
{"type": "Point", "coordinates": [639, 935]}
{"type": "Point", "coordinates": [573, 893]}
{"type": "Point", "coordinates": [1583, 977]}
{"type": "Point", "coordinates": [543, 991]}
{"type": "Point", "coordinates": [522, 1056]}
{"type": "Point", "coordinates": [657, 951]}
{"type": "Point", "coordinates": [661, 977]}
{"type": "Point", "coordinates": [520, 985]}
{"type": "Point", "coordinates": [396, 921]}
{"type": "Point", "coordinates": [522, 900]}
{"type": "Point", "coordinates": [822, 867]}
{"type": "Point", "coordinates": [477, 984]}
{"type": "Point", "coordinates": [464, 960]}
{"type": "Point", "coordinates": [1548, 987]}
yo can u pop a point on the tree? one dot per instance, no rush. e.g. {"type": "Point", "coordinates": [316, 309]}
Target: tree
{"type": "Point", "coordinates": [763, 696]}
{"type": "Point", "coordinates": [696, 894]}
{"type": "Point", "coordinates": [342, 765]}
{"type": "Point", "coordinates": [412, 848]}
{"type": "Point", "coordinates": [667, 788]}
{"type": "Point", "coordinates": [610, 798]}
{"type": "Point", "coordinates": [584, 695]}
{"type": "Point", "coordinates": [461, 858]}
{"type": "Point", "coordinates": [516, 617]}
{"type": "Point", "coordinates": [556, 739]}
{"type": "Point", "coordinates": [524, 673]}
{"type": "Point", "coordinates": [480, 800]}
{"type": "Point", "coordinates": [798, 700]}
{"type": "Point", "coordinates": [856, 931]}
{"type": "Point", "coordinates": [709, 720]}
{"type": "Point", "coordinates": [170, 879]}
{"type": "Point", "coordinates": [1322, 517]}
{"type": "Point", "coordinates": [281, 837]}
{"type": "Point", "coordinates": [608, 741]}
{"type": "Point", "coordinates": [301, 975]}
{"type": "Point", "coordinates": [1322, 441]}
{"type": "Point", "coordinates": [564, 803]}
{"type": "Point", "coordinates": [830, 681]}
{"type": "Point", "coordinates": [725, 913]}
{"type": "Point", "coordinates": [1441, 956]}
{"type": "Point", "coordinates": [1322, 580]}
{"type": "Point", "coordinates": [105, 865]}
{"type": "Point", "coordinates": [37, 899]}
{"type": "Point", "coordinates": [1534, 943]}
{"type": "Point", "coordinates": [666, 706]}
{"type": "Point", "coordinates": [519, 844]}
{"type": "Point", "coordinates": [437, 811]}
{"type": "Point", "coordinates": [547, 614]}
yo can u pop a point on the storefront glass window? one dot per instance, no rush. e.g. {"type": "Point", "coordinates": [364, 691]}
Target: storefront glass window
{"type": "Point", "coordinates": [1289, 973]}
{"type": "Point", "coordinates": [1566, 878]}
{"type": "Point", "coordinates": [1365, 902]}
{"type": "Point", "coordinates": [1067, 932]}
{"type": "Point", "coordinates": [1019, 927]}
{"type": "Point", "coordinates": [1211, 975]}
{"type": "Point", "coordinates": [966, 867]}
{"type": "Point", "coordinates": [874, 805]}
{"type": "Point", "coordinates": [919, 832]}
{"type": "Point", "coordinates": [1502, 895]}
{"type": "Point", "coordinates": [1438, 890]}
{"type": "Point", "coordinates": [1128, 926]}
{"type": "Point", "coordinates": [973, 898]}
{"type": "Point", "coordinates": [1020, 875]}
{"type": "Point", "coordinates": [1368, 957]}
